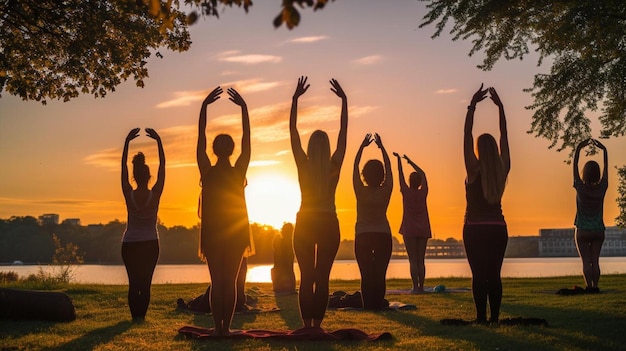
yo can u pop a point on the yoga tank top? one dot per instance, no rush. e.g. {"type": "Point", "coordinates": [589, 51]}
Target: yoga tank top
{"type": "Point", "coordinates": [415, 220]}
{"type": "Point", "coordinates": [371, 210]}
{"type": "Point", "coordinates": [478, 209]}
{"type": "Point", "coordinates": [590, 205]}
{"type": "Point", "coordinates": [142, 220]}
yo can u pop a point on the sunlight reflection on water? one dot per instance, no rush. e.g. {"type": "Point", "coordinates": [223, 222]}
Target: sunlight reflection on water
{"type": "Point", "coordinates": [342, 270]}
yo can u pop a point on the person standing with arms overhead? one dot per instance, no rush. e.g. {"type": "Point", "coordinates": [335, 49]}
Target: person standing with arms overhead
{"type": "Point", "coordinates": [140, 243]}
{"type": "Point", "coordinates": [415, 226]}
{"type": "Point", "coordinates": [485, 232]}
{"type": "Point", "coordinates": [316, 236]}
{"type": "Point", "coordinates": [590, 191]}
{"type": "Point", "coordinates": [225, 229]}
{"type": "Point", "coordinates": [372, 245]}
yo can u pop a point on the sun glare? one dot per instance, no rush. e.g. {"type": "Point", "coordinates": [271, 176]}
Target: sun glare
{"type": "Point", "coordinates": [272, 199]}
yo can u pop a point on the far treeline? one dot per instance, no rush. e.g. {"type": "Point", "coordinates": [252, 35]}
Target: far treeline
{"type": "Point", "coordinates": [26, 240]}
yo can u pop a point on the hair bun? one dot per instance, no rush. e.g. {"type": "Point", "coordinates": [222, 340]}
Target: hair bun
{"type": "Point", "coordinates": [139, 159]}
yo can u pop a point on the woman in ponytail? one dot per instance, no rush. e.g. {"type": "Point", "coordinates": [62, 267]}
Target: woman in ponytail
{"type": "Point", "coordinates": [316, 235]}
{"type": "Point", "coordinates": [140, 243]}
{"type": "Point", "coordinates": [485, 232]}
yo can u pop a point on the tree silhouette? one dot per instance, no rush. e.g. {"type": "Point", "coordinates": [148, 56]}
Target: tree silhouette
{"type": "Point", "coordinates": [584, 40]}
{"type": "Point", "coordinates": [60, 49]}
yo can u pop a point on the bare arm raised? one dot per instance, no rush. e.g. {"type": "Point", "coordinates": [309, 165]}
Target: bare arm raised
{"type": "Point", "coordinates": [605, 168]}
{"type": "Point", "coordinates": [244, 159]}
{"type": "Point", "coordinates": [403, 184]}
{"type": "Point", "coordinates": [201, 155]}
{"type": "Point", "coordinates": [160, 181]}
{"type": "Point", "coordinates": [471, 162]}
{"type": "Point", "coordinates": [504, 138]}
{"type": "Point", "coordinates": [576, 172]}
{"type": "Point", "coordinates": [296, 145]}
{"type": "Point", "coordinates": [357, 183]}
{"type": "Point", "coordinates": [126, 187]}
{"type": "Point", "coordinates": [388, 182]}
{"type": "Point", "coordinates": [340, 152]}
{"type": "Point", "coordinates": [419, 171]}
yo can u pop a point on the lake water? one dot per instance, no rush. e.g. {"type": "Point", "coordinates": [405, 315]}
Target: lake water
{"type": "Point", "coordinates": [346, 270]}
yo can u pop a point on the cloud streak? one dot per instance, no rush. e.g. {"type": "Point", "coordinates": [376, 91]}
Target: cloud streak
{"type": "Point", "coordinates": [53, 201]}
{"type": "Point", "coordinates": [368, 60]}
{"type": "Point", "coordinates": [248, 59]}
{"type": "Point", "coordinates": [445, 91]}
{"type": "Point", "coordinates": [309, 39]}
{"type": "Point", "coordinates": [184, 98]}
{"type": "Point", "coordinates": [252, 85]}
{"type": "Point", "coordinates": [187, 98]}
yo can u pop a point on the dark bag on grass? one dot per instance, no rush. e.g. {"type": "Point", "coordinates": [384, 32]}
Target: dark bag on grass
{"type": "Point", "coordinates": [39, 305]}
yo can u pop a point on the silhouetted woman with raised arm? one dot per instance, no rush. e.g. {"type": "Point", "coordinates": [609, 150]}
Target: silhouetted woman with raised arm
{"type": "Point", "coordinates": [485, 232]}
{"type": "Point", "coordinates": [590, 191]}
{"type": "Point", "coordinates": [225, 230]}
{"type": "Point", "coordinates": [372, 246]}
{"type": "Point", "coordinates": [415, 226]}
{"type": "Point", "coordinates": [316, 236]}
{"type": "Point", "coordinates": [140, 243]}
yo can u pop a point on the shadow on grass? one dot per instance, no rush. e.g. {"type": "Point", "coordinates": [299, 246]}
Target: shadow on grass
{"type": "Point", "coordinates": [571, 322]}
{"type": "Point", "coordinates": [95, 338]}
{"type": "Point", "coordinates": [289, 310]}
{"type": "Point", "coordinates": [575, 327]}
{"type": "Point", "coordinates": [14, 329]}
{"type": "Point", "coordinates": [461, 337]}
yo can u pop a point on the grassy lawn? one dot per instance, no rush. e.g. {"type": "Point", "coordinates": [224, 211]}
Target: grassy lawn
{"type": "Point", "coordinates": [579, 322]}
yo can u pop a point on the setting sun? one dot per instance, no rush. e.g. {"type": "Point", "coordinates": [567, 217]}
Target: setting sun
{"type": "Point", "coordinates": [272, 199]}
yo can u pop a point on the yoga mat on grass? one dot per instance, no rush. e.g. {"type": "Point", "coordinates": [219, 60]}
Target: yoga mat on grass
{"type": "Point", "coordinates": [308, 334]}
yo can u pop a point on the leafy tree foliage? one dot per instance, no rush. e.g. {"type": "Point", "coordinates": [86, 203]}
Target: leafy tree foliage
{"type": "Point", "coordinates": [59, 49]}
{"type": "Point", "coordinates": [620, 220]}
{"type": "Point", "coordinates": [585, 41]}
{"type": "Point", "coordinates": [289, 14]}
{"type": "Point", "coordinates": [65, 244]}
{"type": "Point", "coordinates": [53, 49]}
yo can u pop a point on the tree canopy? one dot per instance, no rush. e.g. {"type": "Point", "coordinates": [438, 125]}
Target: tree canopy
{"type": "Point", "coordinates": [59, 49]}
{"type": "Point", "coordinates": [289, 14]}
{"type": "Point", "coordinates": [585, 41]}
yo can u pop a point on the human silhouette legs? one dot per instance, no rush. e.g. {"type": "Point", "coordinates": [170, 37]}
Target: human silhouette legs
{"type": "Point", "coordinates": [485, 245]}
{"type": "Point", "coordinates": [316, 241]}
{"type": "Point", "coordinates": [140, 259]}
{"type": "Point", "coordinates": [589, 244]}
{"type": "Point", "coordinates": [373, 251]}
{"type": "Point", "coordinates": [224, 264]}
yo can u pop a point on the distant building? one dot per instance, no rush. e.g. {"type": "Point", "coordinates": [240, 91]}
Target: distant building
{"type": "Point", "coordinates": [522, 246]}
{"type": "Point", "coordinates": [445, 249]}
{"type": "Point", "coordinates": [614, 242]}
{"type": "Point", "coordinates": [49, 218]}
{"type": "Point", "coordinates": [561, 243]}
{"type": "Point", "coordinates": [72, 221]}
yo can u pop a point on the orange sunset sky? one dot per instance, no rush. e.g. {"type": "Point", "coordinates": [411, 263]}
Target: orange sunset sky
{"type": "Point", "coordinates": [64, 157]}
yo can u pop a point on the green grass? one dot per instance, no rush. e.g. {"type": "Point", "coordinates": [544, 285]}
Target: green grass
{"type": "Point", "coordinates": [580, 322]}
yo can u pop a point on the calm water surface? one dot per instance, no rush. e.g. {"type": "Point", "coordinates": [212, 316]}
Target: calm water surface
{"type": "Point", "coordinates": [346, 270]}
